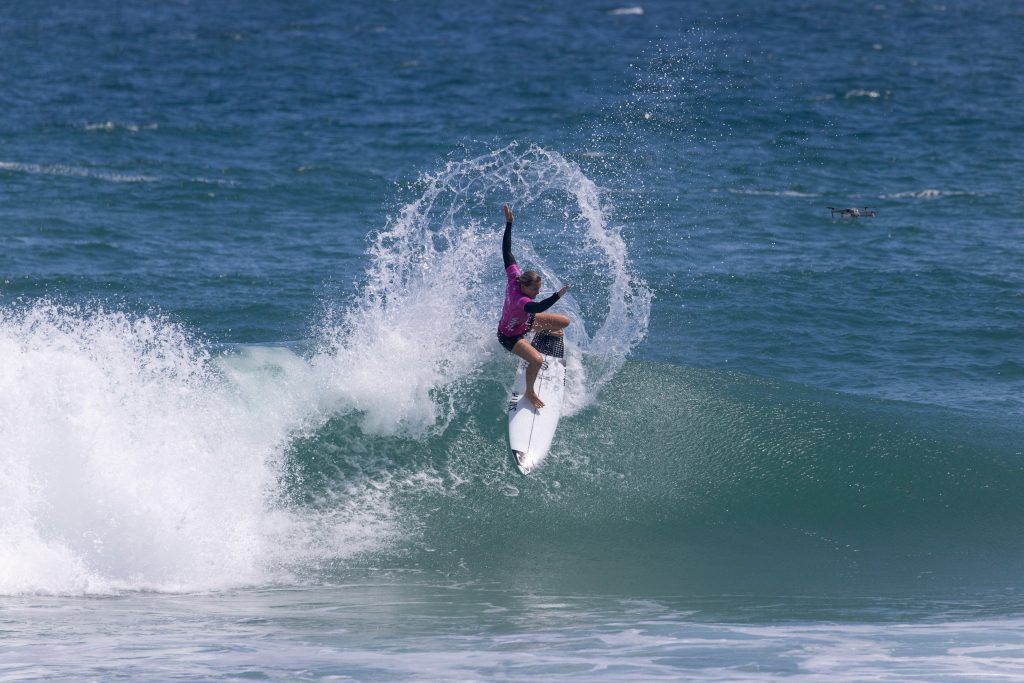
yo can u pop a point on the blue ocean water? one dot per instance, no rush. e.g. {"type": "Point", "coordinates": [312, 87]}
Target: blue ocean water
{"type": "Point", "coordinates": [251, 416]}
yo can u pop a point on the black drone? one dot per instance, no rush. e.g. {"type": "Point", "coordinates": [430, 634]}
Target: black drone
{"type": "Point", "coordinates": [864, 212]}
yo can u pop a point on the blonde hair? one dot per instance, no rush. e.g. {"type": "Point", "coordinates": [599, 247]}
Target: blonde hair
{"type": "Point", "coordinates": [528, 278]}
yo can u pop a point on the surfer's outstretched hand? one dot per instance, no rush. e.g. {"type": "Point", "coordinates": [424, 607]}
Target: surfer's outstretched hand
{"type": "Point", "coordinates": [508, 212]}
{"type": "Point", "coordinates": [563, 290]}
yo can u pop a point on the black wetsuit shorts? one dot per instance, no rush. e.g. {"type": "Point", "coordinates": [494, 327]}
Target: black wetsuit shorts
{"type": "Point", "coordinates": [510, 342]}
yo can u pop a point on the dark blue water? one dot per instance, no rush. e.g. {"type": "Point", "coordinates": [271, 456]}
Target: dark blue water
{"type": "Point", "coordinates": [248, 282]}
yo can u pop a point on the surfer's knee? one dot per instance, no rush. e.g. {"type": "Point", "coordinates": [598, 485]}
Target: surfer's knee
{"type": "Point", "coordinates": [552, 321]}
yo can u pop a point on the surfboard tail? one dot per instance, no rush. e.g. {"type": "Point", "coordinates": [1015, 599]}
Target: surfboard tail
{"type": "Point", "coordinates": [549, 344]}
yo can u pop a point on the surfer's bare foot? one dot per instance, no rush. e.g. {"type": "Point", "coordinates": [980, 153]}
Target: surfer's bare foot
{"type": "Point", "coordinates": [534, 399]}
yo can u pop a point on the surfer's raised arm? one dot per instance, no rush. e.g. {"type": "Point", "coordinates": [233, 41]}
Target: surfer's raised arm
{"type": "Point", "coordinates": [506, 240]}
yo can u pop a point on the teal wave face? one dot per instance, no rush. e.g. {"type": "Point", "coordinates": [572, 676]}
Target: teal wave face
{"type": "Point", "coordinates": [685, 480]}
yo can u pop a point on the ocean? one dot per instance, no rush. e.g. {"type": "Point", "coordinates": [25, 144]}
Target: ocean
{"type": "Point", "coordinates": [252, 408]}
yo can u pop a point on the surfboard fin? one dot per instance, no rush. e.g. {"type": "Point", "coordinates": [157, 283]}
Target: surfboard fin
{"type": "Point", "coordinates": [521, 459]}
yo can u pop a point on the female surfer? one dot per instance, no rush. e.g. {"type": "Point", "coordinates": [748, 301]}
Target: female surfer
{"type": "Point", "coordinates": [521, 314]}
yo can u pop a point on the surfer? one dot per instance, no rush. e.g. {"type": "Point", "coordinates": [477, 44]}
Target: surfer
{"type": "Point", "coordinates": [521, 314]}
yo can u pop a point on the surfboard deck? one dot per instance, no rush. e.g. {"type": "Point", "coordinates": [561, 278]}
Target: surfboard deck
{"type": "Point", "coordinates": [530, 431]}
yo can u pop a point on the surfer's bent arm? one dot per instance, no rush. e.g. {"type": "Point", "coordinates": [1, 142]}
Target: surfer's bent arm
{"type": "Point", "coordinates": [506, 246]}
{"type": "Point", "coordinates": [541, 306]}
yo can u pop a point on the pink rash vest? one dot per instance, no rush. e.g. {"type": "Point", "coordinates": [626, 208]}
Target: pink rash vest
{"type": "Point", "coordinates": [515, 313]}
{"type": "Point", "coordinates": [514, 318]}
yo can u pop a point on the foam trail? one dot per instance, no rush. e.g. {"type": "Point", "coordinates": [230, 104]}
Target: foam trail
{"type": "Point", "coordinates": [131, 459]}
{"type": "Point", "coordinates": [425, 318]}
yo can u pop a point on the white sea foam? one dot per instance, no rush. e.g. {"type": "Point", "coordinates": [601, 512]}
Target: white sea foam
{"type": "Point", "coordinates": [926, 194]}
{"type": "Point", "coordinates": [130, 459]}
{"type": "Point", "coordinates": [627, 11]}
{"type": "Point", "coordinates": [111, 126]}
{"type": "Point", "coordinates": [75, 172]}
{"type": "Point", "coordinates": [767, 193]}
{"type": "Point", "coordinates": [862, 93]}
{"type": "Point", "coordinates": [98, 174]}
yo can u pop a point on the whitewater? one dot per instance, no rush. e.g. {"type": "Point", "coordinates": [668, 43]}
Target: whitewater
{"type": "Point", "coordinates": [160, 464]}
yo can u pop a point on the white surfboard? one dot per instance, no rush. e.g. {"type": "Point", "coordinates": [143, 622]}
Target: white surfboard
{"type": "Point", "coordinates": [530, 430]}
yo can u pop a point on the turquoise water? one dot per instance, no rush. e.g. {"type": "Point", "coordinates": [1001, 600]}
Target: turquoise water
{"type": "Point", "coordinates": [251, 405]}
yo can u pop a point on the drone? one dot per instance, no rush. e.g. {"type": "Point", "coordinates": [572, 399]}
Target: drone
{"type": "Point", "coordinates": [865, 212]}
